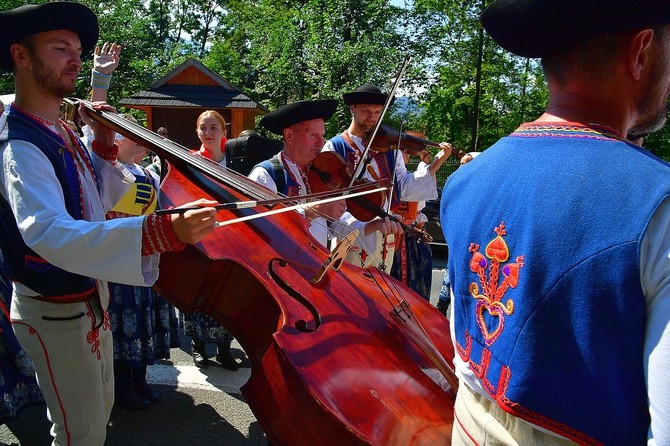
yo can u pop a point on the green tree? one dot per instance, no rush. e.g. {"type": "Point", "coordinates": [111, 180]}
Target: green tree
{"type": "Point", "coordinates": [479, 92]}
{"type": "Point", "coordinates": [126, 23]}
{"type": "Point", "coordinates": [304, 49]}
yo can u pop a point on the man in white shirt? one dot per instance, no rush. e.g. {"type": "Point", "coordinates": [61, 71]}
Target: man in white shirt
{"type": "Point", "coordinates": [59, 250]}
{"type": "Point", "coordinates": [366, 105]}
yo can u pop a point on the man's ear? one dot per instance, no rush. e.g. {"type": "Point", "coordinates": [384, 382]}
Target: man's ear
{"type": "Point", "coordinates": [288, 134]}
{"type": "Point", "coordinates": [20, 54]}
{"type": "Point", "coordinates": [639, 52]}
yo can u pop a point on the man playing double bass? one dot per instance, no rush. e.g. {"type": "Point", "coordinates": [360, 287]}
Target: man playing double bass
{"type": "Point", "coordinates": [366, 105]}
{"type": "Point", "coordinates": [59, 249]}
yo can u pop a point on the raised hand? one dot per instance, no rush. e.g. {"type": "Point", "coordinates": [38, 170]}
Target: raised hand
{"type": "Point", "coordinates": [106, 59]}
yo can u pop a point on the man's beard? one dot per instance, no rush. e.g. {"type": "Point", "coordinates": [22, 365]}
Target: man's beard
{"type": "Point", "coordinates": [367, 127]}
{"type": "Point", "coordinates": [49, 80]}
{"type": "Point", "coordinates": [657, 114]}
{"type": "Point", "coordinates": [651, 123]}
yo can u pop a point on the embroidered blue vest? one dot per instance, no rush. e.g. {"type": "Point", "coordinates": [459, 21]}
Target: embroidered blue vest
{"type": "Point", "coordinates": [287, 185]}
{"type": "Point", "coordinates": [385, 161]}
{"type": "Point", "coordinates": [23, 264]}
{"type": "Point", "coordinates": [544, 232]}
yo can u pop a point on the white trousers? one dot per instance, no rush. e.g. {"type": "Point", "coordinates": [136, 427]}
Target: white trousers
{"type": "Point", "coordinates": [73, 365]}
{"type": "Point", "coordinates": [480, 421]}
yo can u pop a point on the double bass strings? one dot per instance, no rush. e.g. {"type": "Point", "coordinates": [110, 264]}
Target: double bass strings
{"type": "Point", "coordinates": [299, 205]}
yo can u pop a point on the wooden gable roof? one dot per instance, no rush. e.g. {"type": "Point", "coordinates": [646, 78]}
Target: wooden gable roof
{"type": "Point", "coordinates": [192, 84]}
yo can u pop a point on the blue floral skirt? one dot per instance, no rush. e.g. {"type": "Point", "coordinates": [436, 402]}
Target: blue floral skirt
{"type": "Point", "coordinates": [144, 325]}
{"type": "Point", "coordinates": [203, 328]}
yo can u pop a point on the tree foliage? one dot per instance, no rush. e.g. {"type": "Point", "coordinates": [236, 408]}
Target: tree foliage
{"type": "Point", "coordinates": [460, 86]}
{"type": "Point", "coordinates": [479, 92]}
{"type": "Point", "coordinates": [304, 49]}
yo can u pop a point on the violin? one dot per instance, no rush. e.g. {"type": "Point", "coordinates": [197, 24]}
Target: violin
{"type": "Point", "coordinates": [414, 143]}
{"type": "Point", "coordinates": [328, 171]}
{"type": "Point", "coordinates": [387, 138]}
{"type": "Point", "coordinates": [336, 352]}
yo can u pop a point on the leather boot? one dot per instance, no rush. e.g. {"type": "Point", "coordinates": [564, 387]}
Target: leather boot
{"type": "Point", "coordinates": [224, 357]}
{"type": "Point", "coordinates": [199, 355]}
{"type": "Point", "coordinates": [124, 393]}
{"type": "Point", "coordinates": [141, 387]}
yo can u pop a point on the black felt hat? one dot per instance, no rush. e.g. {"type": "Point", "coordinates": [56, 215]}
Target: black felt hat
{"type": "Point", "coordinates": [530, 28]}
{"type": "Point", "coordinates": [19, 23]}
{"type": "Point", "coordinates": [287, 115]}
{"type": "Point", "coordinates": [366, 94]}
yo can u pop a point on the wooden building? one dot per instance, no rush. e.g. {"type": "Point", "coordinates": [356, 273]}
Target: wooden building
{"type": "Point", "coordinates": [176, 100]}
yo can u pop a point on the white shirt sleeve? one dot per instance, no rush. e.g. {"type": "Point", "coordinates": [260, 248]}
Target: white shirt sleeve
{"type": "Point", "coordinates": [370, 243]}
{"type": "Point", "coordinates": [328, 147]}
{"type": "Point", "coordinates": [104, 250]}
{"type": "Point", "coordinates": [419, 185]}
{"type": "Point", "coordinates": [655, 276]}
{"type": "Point", "coordinates": [262, 177]}
{"type": "Point", "coordinates": [114, 181]}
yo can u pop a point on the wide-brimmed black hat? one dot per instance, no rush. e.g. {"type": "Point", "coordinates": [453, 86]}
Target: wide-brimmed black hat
{"type": "Point", "coordinates": [287, 115]}
{"type": "Point", "coordinates": [19, 23]}
{"type": "Point", "coordinates": [366, 94]}
{"type": "Point", "coordinates": [530, 28]}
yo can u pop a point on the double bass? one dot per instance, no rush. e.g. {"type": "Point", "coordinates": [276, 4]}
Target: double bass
{"type": "Point", "coordinates": [348, 355]}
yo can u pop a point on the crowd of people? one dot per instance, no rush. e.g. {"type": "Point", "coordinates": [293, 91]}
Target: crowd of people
{"type": "Point", "coordinates": [556, 288]}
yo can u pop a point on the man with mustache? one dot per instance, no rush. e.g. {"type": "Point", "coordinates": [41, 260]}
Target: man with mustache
{"type": "Point", "coordinates": [366, 104]}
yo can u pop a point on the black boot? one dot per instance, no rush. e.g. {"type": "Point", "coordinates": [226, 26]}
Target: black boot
{"type": "Point", "coordinates": [124, 393]}
{"type": "Point", "coordinates": [224, 357]}
{"type": "Point", "coordinates": [141, 387]}
{"type": "Point", "coordinates": [199, 355]}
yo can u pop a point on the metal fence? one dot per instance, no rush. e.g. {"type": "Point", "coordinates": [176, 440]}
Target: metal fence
{"type": "Point", "coordinates": [449, 166]}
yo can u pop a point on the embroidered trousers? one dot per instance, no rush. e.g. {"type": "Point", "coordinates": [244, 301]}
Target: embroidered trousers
{"type": "Point", "coordinates": [73, 365]}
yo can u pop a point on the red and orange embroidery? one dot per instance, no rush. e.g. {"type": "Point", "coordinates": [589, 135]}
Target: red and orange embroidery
{"type": "Point", "coordinates": [489, 306]}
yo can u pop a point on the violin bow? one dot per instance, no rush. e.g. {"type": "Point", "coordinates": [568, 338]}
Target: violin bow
{"type": "Point", "coordinates": [279, 200]}
{"type": "Point", "coordinates": [358, 172]}
{"type": "Point", "coordinates": [294, 207]}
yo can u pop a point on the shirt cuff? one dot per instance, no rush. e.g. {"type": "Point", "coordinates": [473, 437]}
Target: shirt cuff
{"type": "Point", "coordinates": [106, 153]}
{"type": "Point", "coordinates": [158, 235]}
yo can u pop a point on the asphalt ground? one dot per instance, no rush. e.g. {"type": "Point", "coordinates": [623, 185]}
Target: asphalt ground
{"type": "Point", "coordinates": [199, 407]}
